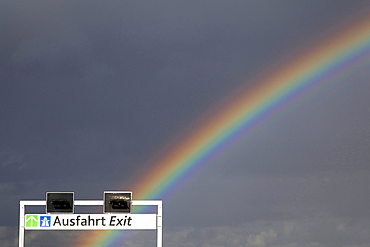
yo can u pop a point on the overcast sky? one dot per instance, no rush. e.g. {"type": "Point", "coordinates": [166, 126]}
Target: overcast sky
{"type": "Point", "coordinates": [92, 91]}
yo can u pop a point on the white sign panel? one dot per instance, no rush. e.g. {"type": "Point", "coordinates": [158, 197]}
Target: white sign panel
{"type": "Point", "coordinates": [90, 221]}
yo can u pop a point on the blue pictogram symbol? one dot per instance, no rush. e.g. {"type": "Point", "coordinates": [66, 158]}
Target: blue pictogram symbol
{"type": "Point", "coordinates": [45, 221]}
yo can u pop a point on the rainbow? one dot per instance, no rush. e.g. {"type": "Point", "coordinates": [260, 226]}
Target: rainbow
{"type": "Point", "coordinates": [312, 69]}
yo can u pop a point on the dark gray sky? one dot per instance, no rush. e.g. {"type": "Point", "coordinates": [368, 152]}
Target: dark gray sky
{"type": "Point", "coordinates": [92, 91]}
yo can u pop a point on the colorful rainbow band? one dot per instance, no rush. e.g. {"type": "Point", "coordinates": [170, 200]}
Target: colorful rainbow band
{"type": "Point", "coordinates": [312, 69]}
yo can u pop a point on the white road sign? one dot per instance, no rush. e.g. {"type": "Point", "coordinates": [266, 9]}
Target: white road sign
{"type": "Point", "coordinates": [90, 221]}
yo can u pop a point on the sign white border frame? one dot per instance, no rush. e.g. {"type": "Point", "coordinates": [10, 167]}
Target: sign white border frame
{"type": "Point", "coordinates": [23, 204]}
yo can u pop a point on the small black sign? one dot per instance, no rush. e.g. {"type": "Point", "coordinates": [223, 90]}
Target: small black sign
{"type": "Point", "coordinates": [59, 202]}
